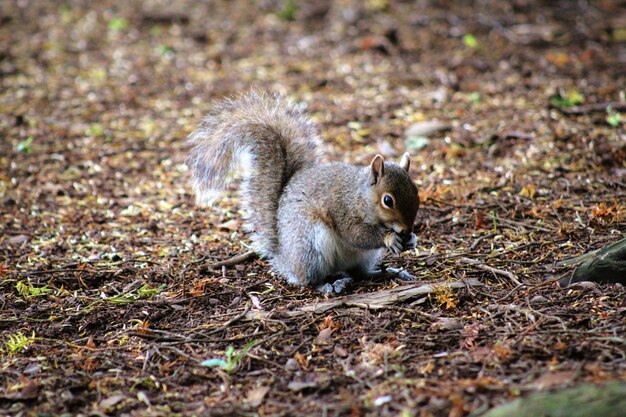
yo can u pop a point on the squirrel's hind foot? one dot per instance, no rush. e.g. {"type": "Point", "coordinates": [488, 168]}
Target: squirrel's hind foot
{"type": "Point", "coordinates": [338, 286]}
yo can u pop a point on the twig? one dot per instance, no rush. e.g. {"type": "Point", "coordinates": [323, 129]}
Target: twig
{"type": "Point", "coordinates": [509, 222]}
{"type": "Point", "coordinates": [235, 260]}
{"type": "Point", "coordinates": [160, 335]}
{"type": "Point", "coordinates": [370, 301]}
{"type": "Point", "coordinates": [480, 239]}
{"type": "Point", "coordinates": [230, 322]}
{"type": "Point", "coordinates": [595, 107]}
{"type": "Point", "coordinates": [514, 134]}
{"type": "Point", "coordinates": [493, 270]}
{"type": "Point", "coordinates": [60, 271]}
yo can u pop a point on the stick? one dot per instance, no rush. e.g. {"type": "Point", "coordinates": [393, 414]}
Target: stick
{"type": "Point", "coordinates": [591, 108]}
{"type": "Point", "coordinates": [484, 267]}
{"type": "Point", "coordinates": [371, 301]}
{"type": "Point", "coordinates": [480, 239]}
{"type": "Point", "coordinates": [235, 260]}
{"type": "Point", "coordinates": [229, 322]}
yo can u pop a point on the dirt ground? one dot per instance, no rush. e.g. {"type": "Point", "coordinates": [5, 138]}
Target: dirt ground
{"type": "Point", "coordinates": [109, 304]}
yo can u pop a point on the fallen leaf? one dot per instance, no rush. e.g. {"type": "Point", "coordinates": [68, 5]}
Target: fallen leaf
{"type": "Point", "coordinates": [539, 299]}
{"type": "Point", "coordinates": [256, 395]}
{"type": "Point", "coordinates": [324, 335]}
{"type": "Point", "coordinates": [292, 365]}
{"type": "Point", "coordinates": [17, 240]}
{"type": "Point", "coordinates": [382, 400]}
{"type": "Point", "coordinates": [445, 323]}
{"type": "Point", "coordinates": [559, 59]}
{"type": "Point", "coordinates": [427, 368]}
{"type": "Point", "coordinates": [27, 389]}
{"type": "Point", "coordinates": [554, 379]}
{"type": "Point", "coordinates": [90, 344]}
{"type": "Point", "coordinates": [231, 225]}
{"type": "Point", "coordinates": [340, 351]}
{"type": "Point", "coordinates": [302, 360]}
{"type": "Point", "coordinates": [111, 401]}
{"type": "Point", "coordinates": [256, 303]}
{"type": "Point", "coordinates": [530, 33]}
{"type": "Point", "coordinates": [298, 386]}
{"type": "Point", "coordinates": [425, 128]}
{"type": "Point", "coordinates": [141, 396]}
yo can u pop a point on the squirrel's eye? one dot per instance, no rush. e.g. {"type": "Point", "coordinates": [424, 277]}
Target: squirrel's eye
{"type": "Point", "coordinates": [388, 201]}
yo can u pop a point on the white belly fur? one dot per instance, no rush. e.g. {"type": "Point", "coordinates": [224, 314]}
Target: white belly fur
{"type": "Point", "coordinates": [337, 255]}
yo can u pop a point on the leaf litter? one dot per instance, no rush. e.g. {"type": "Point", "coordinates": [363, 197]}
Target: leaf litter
{"type": "Point", "coordinates": [109, 301]}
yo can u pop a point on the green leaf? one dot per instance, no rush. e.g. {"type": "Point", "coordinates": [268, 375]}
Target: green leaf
{"type": "Point", "coordinates": [612, 117]}
{"type": "Point", "coordinates": [95, 129]}
{"type": "Point", "coordinates": [474, 97]}
{"type": "Point", "coordinates": [288, 12]}
{"type": "Point", "coordinates": [27, 290]}
{"type": "Point", "coordinates": [572, 98]}
{"type": "Point", "coordinates": [230, 363]}
{"type": "Point", "coordinates": [378, 5]}
{"type": "Point", "coordinates": [147, 291]}
{"type": "Point", "coordinates": [492, 213]}
{"type": "Point", "coordinates": [213, 363]}
{"type": "Point", "coordinates": [164, 49]}
{"type": "Point", "coordinates": [470, 41]}
{"type": "Point", "coordinates": [24, 146]}
{"type": "Point", "coordinates": [118, 24]}
{"type": "Point", "coordinates": [18, 342]}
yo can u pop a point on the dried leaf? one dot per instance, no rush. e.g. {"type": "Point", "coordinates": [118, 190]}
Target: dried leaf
{"type": "Point", "coordinates": [298, 386]}
{"type": "Point", "coordinates": [90, 344]}
{"type": "Point", "coordinates": [17, 240]}
{"type": "Point", "coordinates": [554, 379]}
{"type": "Point", "coordinates": [232, 225]}
{"type": "Point", "coordinates": [111, 401]}
{"type": "Point", "coordinates": [324, 335]}
{"type": "Point", "coordinates": [256, 395]}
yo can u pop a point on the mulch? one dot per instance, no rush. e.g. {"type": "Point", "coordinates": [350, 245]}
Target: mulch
{"type": "Point", "coordinates": [109, 303]}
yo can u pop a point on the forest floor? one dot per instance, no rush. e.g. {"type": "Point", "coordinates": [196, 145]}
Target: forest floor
{"type": "Point", "coordinates": [109, 304]}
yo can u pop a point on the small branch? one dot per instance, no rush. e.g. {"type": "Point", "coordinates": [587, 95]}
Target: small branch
{"type": "Point", "coordinates": [480, 239]}
{"type": "Point", "coordinates": [235, 260]}
{"type": "Point", "coordinates": [514, 134]}
{"type": "Point", "coordinates": [511, 276]}
{"type": "Point", "coordinates": [370, 301]}
{"type": "Point", "coordinates": [595, 107]}
{"type": "Point", "coordinates": [229, 322]}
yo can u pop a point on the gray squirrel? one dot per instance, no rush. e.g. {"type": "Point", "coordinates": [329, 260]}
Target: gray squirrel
{"type": "Point", "coordinates": [318, 224]}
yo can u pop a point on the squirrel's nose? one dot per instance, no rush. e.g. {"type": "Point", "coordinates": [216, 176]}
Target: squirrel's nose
{"type": "Point", "coordinates": [402, 229]}
{"type": "Point", "coordinates": [406, 230]}
{"type": "Point", "coordinates": [398, 227]}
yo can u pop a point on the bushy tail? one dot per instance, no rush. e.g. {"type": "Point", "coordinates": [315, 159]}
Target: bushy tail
{"type": "Point", "coordinates": [278, 138]}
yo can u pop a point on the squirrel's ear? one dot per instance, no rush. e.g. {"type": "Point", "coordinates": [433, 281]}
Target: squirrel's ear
{"type": "Point", "coordinates": [405, 162]}
{"type": "Point", "coordinates": [378, 168]}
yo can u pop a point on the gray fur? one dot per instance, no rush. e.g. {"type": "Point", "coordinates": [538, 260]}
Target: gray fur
{"type": "Point", "coordinates": [277, 136]}
{"type": "Point", "coordinates": [311, 220]}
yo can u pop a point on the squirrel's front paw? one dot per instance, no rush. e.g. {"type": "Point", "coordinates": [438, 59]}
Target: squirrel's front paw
{"type": "Point", "coordinates": [409, 242]}
{"type": "Point", "coordinates": [393, 242]}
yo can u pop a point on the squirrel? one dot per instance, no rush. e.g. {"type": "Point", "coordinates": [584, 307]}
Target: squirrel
{"type": "Point", "coordinates": [313, 221]}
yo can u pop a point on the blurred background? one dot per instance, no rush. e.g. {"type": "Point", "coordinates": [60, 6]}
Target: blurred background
{"type": "Point", "coordinates": [97, 97]}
